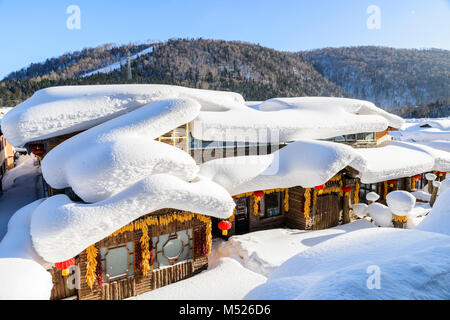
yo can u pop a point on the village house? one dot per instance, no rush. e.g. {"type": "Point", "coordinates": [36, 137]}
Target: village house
{"type": "Point", "coordinates": [328, 154]}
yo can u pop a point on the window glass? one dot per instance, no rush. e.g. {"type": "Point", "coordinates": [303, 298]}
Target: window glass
{"type": "Point", "coordinates": [271, 205]}
{"type": "Point", "coordinates": [350, 137]}
{"type": "Point", "coordinates": [117, 261]}
{"type": "Point", "coordinates": [340, 139]}
{"type": "Point", "coordinates": [173, 248]}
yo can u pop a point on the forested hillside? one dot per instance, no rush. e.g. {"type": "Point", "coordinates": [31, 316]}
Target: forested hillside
{"type": "Point", "coordinates": [388, 77]}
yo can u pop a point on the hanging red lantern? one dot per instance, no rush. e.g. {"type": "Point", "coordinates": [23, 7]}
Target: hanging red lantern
{"type": "Point", "coordinates": [258, 194]}
{"type": "Point", "coordinates": [392, 183]}
{"type": "Point", "coordinates": [225, 226]}
{"type": "Point", "coordinates": [65, 265]}
{"type": "Point", "coordinates": [319, 188]}
{"type": "Point", "coordinates": [347, 189]}
{"type": "Point", "coordinates": [418, 176]}
{"type": "Point", "coordinates": [38, 150]}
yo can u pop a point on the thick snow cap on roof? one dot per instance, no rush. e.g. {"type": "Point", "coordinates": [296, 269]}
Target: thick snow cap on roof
{"type": "Point", "coordinates": [394, 160]}
{"type": "Point", "coordinates": [302, 163]}
{"type": "Point", "coordinates": [106, 159]}
{"type": "Point", "coordinates": [293, 119]}
{"type": "Point", "coordinates": [425, 130]}
{"type": "Point", "coordinates": [413, 264]}
{"type": "Point", "coordinates": [57, 111]}
{"type": "Point", "coordinates": [61, 229]}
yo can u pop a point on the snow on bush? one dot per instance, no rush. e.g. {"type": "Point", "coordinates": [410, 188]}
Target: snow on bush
{"type": "Point", "coordinates": [108, 158]}
{"type": "Point", "coordinates": [61, 229]}
{"type": "Point", "coordinates": [400, 202]}
{"type": "Point", "coordinates": [411, 265]}
{"type": "Point", "coordinates": [380, 214]}
{"type": "Point", "coordinates": [360, 209]}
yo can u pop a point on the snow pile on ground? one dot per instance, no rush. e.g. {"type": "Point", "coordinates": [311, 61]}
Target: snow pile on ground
{"type": "Point", "coordinates": [438, 220]}
{"type": "Point", "coordinates": [61, 229]}
{"type": "Point", "coordinates": [294, 119]}
{"type": "Point", "coordinates": [228, 280]}
{"type": "Point", "coordinates": [23, 279]}
{"type": "Point", "coordinates": [56, 111]}
{"type": "Point", "coordinates": [302, 163]}
{"type": "Point", "coordinates": [411, 265]}
{"type": "Point", "coordinates": [110, 157]}
{"type": "Point", "coordinates": [264, 251]}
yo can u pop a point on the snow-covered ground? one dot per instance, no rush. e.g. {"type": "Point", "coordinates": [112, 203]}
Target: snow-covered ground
{"type": "Point", "coordinates": [246, 261]}
{"type": "Point", "coordinates": [22, 185]}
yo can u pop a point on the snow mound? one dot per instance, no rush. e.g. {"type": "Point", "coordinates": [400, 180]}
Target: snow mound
{"type": "Point", "coordinates": [239, 281]}
{"type": "Point", "coordinates": [445, 185]}
{"type": "Point", "coordinates": [110, 157]}
{"type": "Point", "coordinates": [302, 163]}
{"type": "Point", "coordinates": [380, 214]}
{"type": "Point", "coordinates": [438, 220]}
{"type": "Point", "coordinates": [23, 279]}
{"type": "Point", "coordinates": [430, 176]}
{"type": "Point", "coordinates": [57, 111]}
{"type": "Point", "coordinates": [294, 119]}
{"type": "Point", "coordinates": [372, 196]}
{"type": "Point", "coordinates": [400, 202]}
{"type": "Point", "coordinates": [61, 229]}
{"type": "Point", "coordinates": [360, 209]}
{"type": "Point", "coordinates": [412, 265]}
{"type": "Point", "coordinates": [264, 251]}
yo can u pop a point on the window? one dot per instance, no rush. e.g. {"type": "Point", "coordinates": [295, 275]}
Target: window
{"type": "Point", "coordinates": [117, 262]}
{"type": "Point", "coordinates": [172, 248]}
{"type": "Point", "coordinates": [365, 189]}
{"type": "Point", "coordinates": [270, 205]}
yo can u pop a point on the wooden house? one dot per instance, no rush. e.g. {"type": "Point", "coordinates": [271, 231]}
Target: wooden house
{"type": "Point", "coordinates": [6, 158]}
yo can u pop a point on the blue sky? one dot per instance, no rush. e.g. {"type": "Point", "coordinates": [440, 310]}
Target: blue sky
{"type": "Point", "coordinates": [32, 31]}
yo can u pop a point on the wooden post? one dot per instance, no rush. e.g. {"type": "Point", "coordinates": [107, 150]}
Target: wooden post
{"type": "Point", "coordinates": [430, 186]}
{"type": "Point", "coordinates": [408, 182]}
{"type": "Point", "coordinates": [434, 196]}
{"type": "Point", "coordinates": [346, 208]}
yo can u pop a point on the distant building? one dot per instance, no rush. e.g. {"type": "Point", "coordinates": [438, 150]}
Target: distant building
{"type": "Point", "coordinates": [6, 151]}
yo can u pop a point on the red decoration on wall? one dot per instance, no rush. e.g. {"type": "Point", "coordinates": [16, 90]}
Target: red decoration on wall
{"type": "Point", "coordinates": [138, 256]}
{"type": "Point", "coordinates": [65, 264]}
{"type": "Point", "coordinates": [318, 188]}
{"type": "Point", "coordinates": [99, 272]}
{"type": "Point", "coordinates": [418, 176]}
{"type": "Point", "coordinates": [152, 252]}
{"type": "Point", "coordinates": [259, 194]}
{"type": "Point", "coordinates": [347, 189]}
{"type": "Point", "coordinates": [38, 150]}
{"type": "Point", "coordinates": [392, 182]}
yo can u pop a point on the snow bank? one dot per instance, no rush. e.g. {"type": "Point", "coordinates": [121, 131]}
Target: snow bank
{"type": "Point", "coordinates": [110, 157]}
{"type": "Point", "coordinates": [264, 251]}
{"type": "Point", "coordinates": [61, 229]}
{"type": "Point", "coordinates": [438, 220]}
{"type": "Point", "coordinates": [56, 111]}
{"type": "Point", "coordinates": [380, 214]}
{"type": "Point", "coordinates": [293, 119]}
{"type": "Point", "coordinates": [23, 279]}
{"type": "Point", "coordinates": [210, 285]}
{"type": "Point", "coordinates": [302, 163]}
{"type": "Point", "coordinates": [412, 265]}
{"type": "Point", "coordinates": [360, 209]}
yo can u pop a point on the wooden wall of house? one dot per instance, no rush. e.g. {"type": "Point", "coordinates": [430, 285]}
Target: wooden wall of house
{"type": "Point", "coordinates": [137, 284]}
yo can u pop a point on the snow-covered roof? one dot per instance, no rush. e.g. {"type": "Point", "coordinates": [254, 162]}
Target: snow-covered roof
{"type": "Point", "coordinates": [302, 163]}
{"type": "Point", "coordinates": [292, 119]}
{"type": "Point", "coordinates": [224, 115]}
{"type": "Point", "coordinates": [424, 130]}
{"type": "Point", "coordinates": [57, 111]}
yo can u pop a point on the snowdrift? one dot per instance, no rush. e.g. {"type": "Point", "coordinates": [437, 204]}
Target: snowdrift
{"type": "Point", "coordinates": [412, 264]}
{"type": "Point", "coordinates": [438, 220]}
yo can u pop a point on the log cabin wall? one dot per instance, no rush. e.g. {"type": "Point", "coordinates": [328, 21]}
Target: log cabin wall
{"type": "Point", "coordinates": [136, 284]}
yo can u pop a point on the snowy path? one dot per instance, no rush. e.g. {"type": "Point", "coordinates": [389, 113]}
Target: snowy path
{"type": "Point", "coordinates": [246, 261]}
{"type": "Point", "coordinates": [22, 185]}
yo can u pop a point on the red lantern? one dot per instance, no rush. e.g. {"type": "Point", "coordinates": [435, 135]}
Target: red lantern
{"type": "Point", "coordinates": [319, 188]}
{"type": "Point", "coordinates": [347, 189]}
{"type": "Point", "coordinates": [38, 150]}
{"type": "Point", "coordinates": [392, 183]}
{"type": "Point", "coordinates": [65, 265]}
{"type": "Point", "coordinates": [418, 176]}
{"type": "Point", "coordinates": [258, 194]}
{"type": "Point", "coordinates": [225, 226]}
